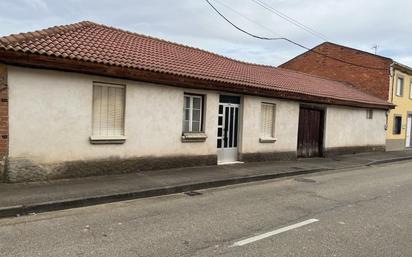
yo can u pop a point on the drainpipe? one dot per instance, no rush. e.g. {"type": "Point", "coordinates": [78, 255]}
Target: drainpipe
{"type": "Point", "coordinates": [392, 78]}
{"type": "Point", "coordinates": [392, 75]}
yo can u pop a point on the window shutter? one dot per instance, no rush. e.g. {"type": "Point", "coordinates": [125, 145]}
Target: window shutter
{"type": "Point", "coordinates": [119, 111]}
{"type": "Point", "coordinates": [369, 114]}
{"type": "Point", "coordinates": [108, 110]}
{"type": "Point", "coordinates": [267, 120]}
{"type": "Point", "coordinates": [97, 99]}
{"type": "Point", "coordinates": [111, 110]}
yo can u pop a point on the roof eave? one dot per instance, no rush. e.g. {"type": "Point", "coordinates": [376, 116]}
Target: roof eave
{"type": "Point", "coordinates": [313, 50]}
{"type": "Point", "coordinates": [402, 67]}
{"type": "Point", "coordinates": [73, 65]}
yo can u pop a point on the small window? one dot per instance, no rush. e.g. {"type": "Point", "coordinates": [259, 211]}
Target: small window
{"type": "Point", "coordinates": [399, 86]}
{"type": "Point", "coordinates": [192, 113]}
{"type": "Point", "coordinates": [369, 114]}
{"type": "Point", "coordinates": [397, 125]}
{"type": "Point", "coordinates": [108, 110]}
{"type": "Point", "coordinates": [267, 120]}
{"type": "Point", "coordinates": [410, 90]}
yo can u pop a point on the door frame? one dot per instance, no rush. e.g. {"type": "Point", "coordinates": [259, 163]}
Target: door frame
{"type": "Point", "coordinates": [409, 114]}
{"type": "Point", "coordinates": [239, 125]}
{"type": "Point", "coordinates": [322, 127]}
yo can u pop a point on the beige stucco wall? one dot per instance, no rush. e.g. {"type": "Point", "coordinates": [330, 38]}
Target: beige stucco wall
{"type": "Point", "coordinates": [285, 131]}
{"type": "Point", "coordinates": [51, 118]}
{"type": "Point", "coordinates": [403, 108]}
{"type": "Point", "coordinates": [347, 126]}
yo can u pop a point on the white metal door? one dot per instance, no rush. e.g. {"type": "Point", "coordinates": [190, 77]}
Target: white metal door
{"type": "Point", "coordinates": [227, 133]}
{"type": "Point", "coordinates": [409, 132]}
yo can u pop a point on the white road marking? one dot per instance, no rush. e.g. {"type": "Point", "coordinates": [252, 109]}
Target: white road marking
{"type": "Point", "coordinates": [274, 232]}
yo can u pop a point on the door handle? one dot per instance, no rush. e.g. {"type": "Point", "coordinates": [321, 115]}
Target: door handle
{"type": "Point", "coordinates": [226, 137]}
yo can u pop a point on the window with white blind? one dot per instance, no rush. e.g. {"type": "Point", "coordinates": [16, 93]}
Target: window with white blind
{"type": "Point", "coordinates": [192, 113]}
{"type": "Point", "coordinates": [267, 122]}
{"type": "Point", "coordinates": [108, 111]}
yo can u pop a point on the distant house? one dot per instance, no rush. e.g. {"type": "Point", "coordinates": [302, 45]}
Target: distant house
{"type": "Point", "coordinates": [88, 99]}
{"type": "Point", "coordinates": [374, 74]}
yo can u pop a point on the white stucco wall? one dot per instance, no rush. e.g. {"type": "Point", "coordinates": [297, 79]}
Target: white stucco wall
{"type": "Point", "coordinates": [285, 131]}
{"type": "Point", "coordinates": [51, 118]}
{"type": "Point", "coordinates": [347, 126]}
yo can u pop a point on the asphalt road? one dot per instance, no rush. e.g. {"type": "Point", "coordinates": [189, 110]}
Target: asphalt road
{"type": "Point", "coordinates": [362, 212]}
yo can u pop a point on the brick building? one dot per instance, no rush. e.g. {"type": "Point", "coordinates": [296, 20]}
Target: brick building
{"type": "Point", "coordinates": [376, 75]}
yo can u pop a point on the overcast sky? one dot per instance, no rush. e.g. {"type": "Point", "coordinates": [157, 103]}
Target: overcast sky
{"type": "Point", "coordinates": [356, 23]}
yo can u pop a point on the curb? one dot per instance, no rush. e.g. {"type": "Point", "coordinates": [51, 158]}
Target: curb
{"type": "Point", "coordinates": [389, 160]}
{"type": "Point", "coordinates": [10, 211]}
{"type": "Point", "coordinates": [14, 211]}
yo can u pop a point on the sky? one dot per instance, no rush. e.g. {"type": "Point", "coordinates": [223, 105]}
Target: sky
{"type": "Point", "coordinates": [359, 24]}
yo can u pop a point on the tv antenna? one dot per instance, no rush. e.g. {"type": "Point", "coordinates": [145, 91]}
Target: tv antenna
{"type": "Point", "coordinates": [375, 48]}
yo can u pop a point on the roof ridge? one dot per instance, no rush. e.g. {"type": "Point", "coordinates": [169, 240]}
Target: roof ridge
{"type": "Point", "coordinates": [163, 56]}
{"type": "Point", "coordinates": [355, 49]}
{"type": "Point", "coordinates": [20, 37]}
{"type": "Point", "coordinates": [313, 49]}
{"type": "Point", "coordinates": [182, 45]}
{"type": "Point", "coordinates": [25, 36]}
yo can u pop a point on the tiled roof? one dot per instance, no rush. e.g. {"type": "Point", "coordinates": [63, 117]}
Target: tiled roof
{"type": "Point", "coordinates": [91, 42]}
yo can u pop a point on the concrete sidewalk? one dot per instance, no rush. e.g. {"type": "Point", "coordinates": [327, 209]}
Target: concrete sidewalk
{"type": "Point", "coordinates": [25, 198]}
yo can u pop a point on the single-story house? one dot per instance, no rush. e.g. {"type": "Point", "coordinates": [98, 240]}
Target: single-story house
{"type": "Point", "coordinates": [88, 99]}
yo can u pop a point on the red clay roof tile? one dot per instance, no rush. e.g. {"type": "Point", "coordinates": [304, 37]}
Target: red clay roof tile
{"type": "Point", "coordinates": [91, 42]}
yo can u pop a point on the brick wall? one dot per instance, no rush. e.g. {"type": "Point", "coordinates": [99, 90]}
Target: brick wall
{"type": "Point", "coordinates": [374, 82]}
{"type": "Point", "coordinates": [4, 119]}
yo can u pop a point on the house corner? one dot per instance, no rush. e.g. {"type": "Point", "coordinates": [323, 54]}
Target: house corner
{"type": "Point", "coordinates": [4, 120]}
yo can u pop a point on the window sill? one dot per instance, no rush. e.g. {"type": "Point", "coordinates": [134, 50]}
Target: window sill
{"type": "Point", "coordinates": [107, 140]}
{"type": "Point", "coordinates": [267, 140]}
{"type": "Point", "coordinates": [193, 137]}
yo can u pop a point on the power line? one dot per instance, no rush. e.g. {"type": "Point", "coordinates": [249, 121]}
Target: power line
{"type": "Point", "coordinates": [245, 17]}
{"type": "Point", "coordinates": [290, 19]}
{"type": "Point", "coordinates": [288, 40]}
{"type": "Point", "coordinates": [238, 28]}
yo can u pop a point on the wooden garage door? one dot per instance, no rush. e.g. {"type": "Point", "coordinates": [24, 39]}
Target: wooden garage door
{"type": "Point", "coordinates": [310, 133]}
